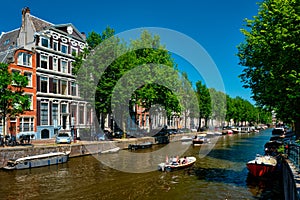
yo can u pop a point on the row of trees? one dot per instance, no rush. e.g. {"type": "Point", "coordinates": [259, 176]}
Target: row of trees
{"type": "Point", "coordinates": [270, 56]}
{"type": "Point", "coordinates": [217, 105]}
{"type": "Point", "coordinates": [143, 72]}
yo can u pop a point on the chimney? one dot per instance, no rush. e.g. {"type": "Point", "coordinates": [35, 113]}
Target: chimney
{"type": "Point", "coordinates": [24, 12]}
{"type": "Point", "coordinates": [83, 35]}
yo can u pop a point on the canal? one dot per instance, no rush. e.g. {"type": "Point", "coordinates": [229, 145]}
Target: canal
{"type": "Point", "coordinates": [221, 174]}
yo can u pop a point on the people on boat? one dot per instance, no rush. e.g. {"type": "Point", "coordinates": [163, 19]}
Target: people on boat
{"type": "Point", "coordinates": [184, 161]}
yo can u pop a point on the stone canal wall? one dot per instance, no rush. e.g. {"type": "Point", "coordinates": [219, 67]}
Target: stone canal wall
{"type": "Point", "coordinates": [80, 148]}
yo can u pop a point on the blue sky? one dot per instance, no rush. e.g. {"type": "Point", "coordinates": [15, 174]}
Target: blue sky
{"type": "Point", "coordinates": [214, 24]}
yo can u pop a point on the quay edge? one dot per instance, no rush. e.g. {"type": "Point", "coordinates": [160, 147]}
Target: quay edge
{"type": "Point", "coordinates": [80, 148]}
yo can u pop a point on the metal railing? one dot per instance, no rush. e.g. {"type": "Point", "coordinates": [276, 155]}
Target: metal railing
{"type": "Point", "coordinates": [293, 152]}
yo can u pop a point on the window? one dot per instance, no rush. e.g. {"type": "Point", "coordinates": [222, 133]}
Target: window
{"type": "Point", "coordinates": [73, 88]}
{"type": "Point", "coordinates": [55, 45]}
{"type": "Point", "coordinates": [30, 97]}
{"type": "Point", "coordinates": [29, 77]}
{"type": "Point", "coordinates": [63, 108]}
{"type": "Point", "coordinates": [81, 114]}
{"type": "Point", "coordinates": [73, 111]}
{"type": "Point", "coordinates": [44, 113]}
{"type": "Point", "coordinates": [44, 84]}
{"type": "Point", "coordinates": [14, 73]}
{"type": "Point", "coordinates": [24, 59]}
{"type": "Point", "coordinates": [26, 124]}
{"type": "Point", "coordinates": [64, 66]}
{"type": "Point", "coordinates": [55, 86]}
{"type": "Point", "coordinates": [55, 112]}
{"type": "Point", "coordinates": [45, 42]}
{"type": "Point", "coordinates": [44, 62]}
{"type": "Point", "coordinates": [74, 52]}
{"type": "Point", "coordinates": [64, 87]}
{"type": "Point", "coordinates": [55, 64]}
{"type": "Point", "coordinates": [64, 48]}
{"type": "Point", "coordinates": [6, 42]}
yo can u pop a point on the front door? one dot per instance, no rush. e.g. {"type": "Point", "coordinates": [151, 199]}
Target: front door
{"type": "Point", "coordinates": [12, 128]}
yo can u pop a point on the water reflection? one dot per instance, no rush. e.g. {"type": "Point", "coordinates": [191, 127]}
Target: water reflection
{"type": "Point", "coordinates": [222, 174]}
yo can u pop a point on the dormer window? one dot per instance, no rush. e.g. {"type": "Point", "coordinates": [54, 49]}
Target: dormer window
{"type": "Point", "coordinates": [45, 42]}
{"type": "Point", "coordinates": [24, 59]}
{"type": "Point", "coordinates": [6, 42]}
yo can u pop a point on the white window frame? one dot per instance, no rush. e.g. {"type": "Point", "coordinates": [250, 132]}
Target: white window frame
{"type": "Point", "coordinates": [61, 87]}
{"type": "Point", "coordinates": [45, 39]}
{"type": "Point", "coordinates": [24, 56]}
{"type": "Point", "coordinates": [66, 47]}
{"type": "Point", "coordinates": [31, 100]}
{"type": "Point", "coordinates": [30, 124]}
{"type": "Point", "coordinates": [26, 73]}
{"type": "Point", "coordinates": [55, 45]}
{"type": "Point", "coordinates": [64, 67]}
{"type": "Point", "coordinates": [44, 58]}
{"type": "Point", "coordinates": [55, 64]}
{"type": "Point", "coordinates": [41, 116]}
{"type": "Point", "coordinates": [44, 77]}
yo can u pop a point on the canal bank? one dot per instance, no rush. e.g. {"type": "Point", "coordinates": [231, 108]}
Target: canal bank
{"type": "Point", "coordinates": [221, 174]}
{"type": "Point", "coordinates": [79, 148]}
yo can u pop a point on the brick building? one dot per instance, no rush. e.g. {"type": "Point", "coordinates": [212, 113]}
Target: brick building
{"type": "Point", "coordinates": [44, 52]}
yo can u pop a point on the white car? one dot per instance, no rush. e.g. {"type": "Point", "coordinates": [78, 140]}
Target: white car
{"type": "Point", "coordinates": [63, 138]}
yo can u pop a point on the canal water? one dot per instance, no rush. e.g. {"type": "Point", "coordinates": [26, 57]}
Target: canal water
{"type": "Point", "coordinates": [221, 174]}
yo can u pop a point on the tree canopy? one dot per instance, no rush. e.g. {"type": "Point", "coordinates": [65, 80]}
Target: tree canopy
{"type": "Point", "coordinates": [270, 55]}
{"type": "Point", "coordinates": [13, 101]}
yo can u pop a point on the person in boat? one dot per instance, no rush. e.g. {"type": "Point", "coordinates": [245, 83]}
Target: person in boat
{"type": "Point", "coordinates": [184, 161]}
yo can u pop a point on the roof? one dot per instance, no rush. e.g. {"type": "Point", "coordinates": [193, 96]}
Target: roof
{"type": "Point", "coordinates": [8, 40]}
{"type": "Point", "coordinates": [40, 24]}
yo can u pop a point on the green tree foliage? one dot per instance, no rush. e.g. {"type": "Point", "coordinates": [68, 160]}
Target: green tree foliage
{"type": "Point", "coordinates": [270, 55]}
{"type": "Point", "coordinates": [204, 102]}
{"type": "Point", "coordinates": [13, 101]}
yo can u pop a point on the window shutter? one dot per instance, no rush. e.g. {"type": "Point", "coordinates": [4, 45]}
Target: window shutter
{"type": "Point", "coordinates": [37, 60]}
{"type": "Point", "coordinates": [58, 86]}
{"type": "Point", "coordinates": [51, 85]}
{"type": "Point", "coordinates": [69, 67]}
{"type": "Point", "coordinates": [50, 113]}
{"type": "Point", "coordinates": [37, 40]}
{"type": "Point", "coordinates": [38, 83]}
{"type": "Point", "coordinates": [38, 106]}
{"type": "Point", "coordinates": [50, 62]}
{"type": "Point", "coordinates": [58, 64]}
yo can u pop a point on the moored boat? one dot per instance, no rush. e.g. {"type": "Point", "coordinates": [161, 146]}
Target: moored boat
{"type": "Point", "coordinates": [40, 160]}
{"type": "Point", "coordinates": [140, 146]}
{"type": "Point", "coordinates": [112, 150]}
{"type": "Point", "coordinates": [186, 139]}
{"type": "Point", "coordinates": [262, 165]}
{"type": "Point", "coordinates": [176, 164]}
{"type": "Point", "coordinates": [200, 139]}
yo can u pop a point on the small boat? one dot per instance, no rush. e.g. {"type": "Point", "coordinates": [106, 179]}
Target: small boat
{"type": "Point", "coordinates": [200, 139]}
{"type": "Point", "coordinates": [176, 164]}
{"type": "Point", "coordinates": [37, 160]}
{"type": "Point", "coordinates": [262, 165]}
{"type": "Point", "coordinates": [144, 145]}
{"type": "Point", "coordinates": [113, 150]}
{"type": "Point", "coordinates": [186, 139]}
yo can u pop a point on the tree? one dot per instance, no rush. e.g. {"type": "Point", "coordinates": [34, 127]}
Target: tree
{"type": "Point", "coordinates": [13, 101]}
{"type": "Point", "coordinates": [204, 101]}
{"type": "Point", "coordinates": [270, 55]}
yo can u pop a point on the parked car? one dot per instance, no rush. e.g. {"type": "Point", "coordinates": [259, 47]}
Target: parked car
{"type": "Point", "coordinates": [63, 138]}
